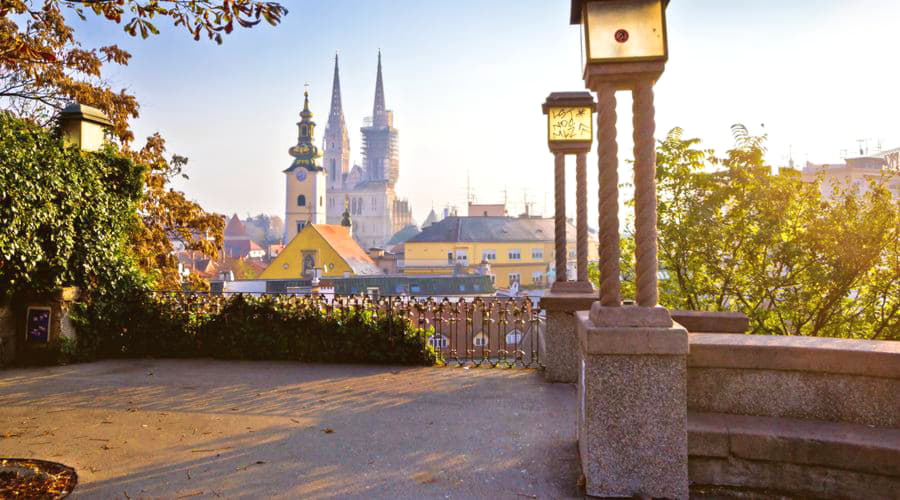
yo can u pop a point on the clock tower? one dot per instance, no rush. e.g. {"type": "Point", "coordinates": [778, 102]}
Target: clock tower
{"type": "Point", "coordinates": [305, 179]}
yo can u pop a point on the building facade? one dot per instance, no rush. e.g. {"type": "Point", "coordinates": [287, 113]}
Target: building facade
{"type": "Point", "coordinates": [857, 173]}
{"type": "Point", "coordinates": [324, 248]}
{"type": "Point", "coordinates": [512, 249]}
{"type": "Point", "coordinates": [369, 190]}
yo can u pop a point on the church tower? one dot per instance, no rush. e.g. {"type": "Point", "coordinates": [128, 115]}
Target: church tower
{"type": "Point", "coordinates": [381, 153]}
{"type": "Point", "coordinates": [305, 180]}
{"type": "Point", "coordinates": [337, 151]}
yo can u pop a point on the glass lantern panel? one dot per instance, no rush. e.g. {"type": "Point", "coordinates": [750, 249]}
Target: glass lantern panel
{"type": "Point", "coordinates": [625, 30]}
{"type": "Point", "coordinates": [570, 124]}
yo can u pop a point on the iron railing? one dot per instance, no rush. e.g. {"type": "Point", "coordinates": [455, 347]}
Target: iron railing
{"type": "Point", "coordinates": [464, 331]}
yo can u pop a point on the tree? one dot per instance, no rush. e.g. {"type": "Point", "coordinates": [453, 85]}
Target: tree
{"type": "Point", "coordinates": [43, 66]}
{"type": "Point", "coordinates": [66, 215]}
{"type": "Point", "coordinates": [733, 235]}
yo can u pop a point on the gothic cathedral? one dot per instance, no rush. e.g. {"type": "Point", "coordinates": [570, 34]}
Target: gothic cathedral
{"type": "Point", "coordinates": [305, 180]}
{"type": "Point", "coordinates": [366, 192]}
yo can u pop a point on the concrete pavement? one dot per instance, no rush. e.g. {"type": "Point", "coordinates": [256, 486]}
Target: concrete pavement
{"type": "Point", "coordinates": [208, 429]}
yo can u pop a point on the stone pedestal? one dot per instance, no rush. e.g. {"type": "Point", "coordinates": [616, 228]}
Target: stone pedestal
{"type": "Point", "coordinates": [632, 409]}
{"type": "Point", "coordinates": [560, 355]}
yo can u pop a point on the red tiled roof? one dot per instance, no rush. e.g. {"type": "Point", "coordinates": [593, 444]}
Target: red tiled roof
{"type": "Point", "coordinates": [235, 229]}
{"type": "Point", "coordinates": [338, 237]}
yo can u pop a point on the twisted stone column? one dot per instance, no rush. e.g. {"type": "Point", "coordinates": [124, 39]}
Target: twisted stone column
{"type": "Point", "coordinates": [581, 213]}
{"type": "Point", "coordinates": [560, 216]}
{"type": "Point", "coordinates": [607, 152]}
{"type": "Point", "coordinates": [645, 194]}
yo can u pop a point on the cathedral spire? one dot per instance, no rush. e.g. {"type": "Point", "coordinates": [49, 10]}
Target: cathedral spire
{"type": "Point", "coordinates": [336, 117]}
{"type": "Point", "coordinates": [379, 110]}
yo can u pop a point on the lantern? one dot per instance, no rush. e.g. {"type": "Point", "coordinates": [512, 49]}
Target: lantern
{"type": "Point", "coordinates": [617, 31]}
{"type": "Point", "coordinates": [570, 121]}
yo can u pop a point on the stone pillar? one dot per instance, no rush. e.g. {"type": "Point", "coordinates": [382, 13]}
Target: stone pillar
{"type": "Point", "coordinates": [632, 403]}
{"type": "Point", "coordinates": [645, 195]}
{"type": "Point", "coordinates": [561, 356]}
{"type": "Point", "coordinates": [632, 410]}
{"type": "Point", "coordinates": [559, 183]}
{"type": "Point", "coordinates": [608, 163]}
{"type": "Point", "coordinates": [581, 213]}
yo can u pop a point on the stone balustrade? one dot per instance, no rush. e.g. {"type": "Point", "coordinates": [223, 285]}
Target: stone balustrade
{"type": "Point", "coordinates": [795, 416]}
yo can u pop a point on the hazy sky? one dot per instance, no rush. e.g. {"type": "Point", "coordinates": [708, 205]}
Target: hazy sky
{"type": "Point", "coordinates": [465, 80]}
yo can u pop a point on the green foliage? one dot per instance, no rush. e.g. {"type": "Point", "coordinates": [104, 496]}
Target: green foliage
{"type": "Point", "coordinates": [65, 215]}
{"type": "Point", "coordinates": [138, 324]}
{"type": "Point", "coordinates": [735, 236]}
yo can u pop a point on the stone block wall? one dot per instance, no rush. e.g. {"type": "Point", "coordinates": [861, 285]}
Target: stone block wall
{"type": "Point", "coordinates": [7, 335]}
{"type": "Point", "coordinates": [794, 416]}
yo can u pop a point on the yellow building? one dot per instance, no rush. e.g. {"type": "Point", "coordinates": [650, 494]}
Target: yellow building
{"type": "Point", "coordinates": [518, 250]}
{"type": "Point", "coordinates": [326, 247]}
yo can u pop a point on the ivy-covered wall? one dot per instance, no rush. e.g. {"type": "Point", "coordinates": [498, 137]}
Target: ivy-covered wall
{"type": "Point", "coordinates": [65, 214]}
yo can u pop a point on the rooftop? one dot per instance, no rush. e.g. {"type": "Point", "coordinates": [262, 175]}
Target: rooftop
{"type": "Point", "coordinates": [490, 229]}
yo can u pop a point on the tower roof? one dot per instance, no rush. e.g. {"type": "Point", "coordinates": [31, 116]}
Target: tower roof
{"type": "Point", "coordinates": [336, 116]}
{"type": "Point", "coordinates": [379, 110]}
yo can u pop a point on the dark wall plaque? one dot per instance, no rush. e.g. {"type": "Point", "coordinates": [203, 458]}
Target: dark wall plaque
{"type": "Point", "coordinates": [38, 325]}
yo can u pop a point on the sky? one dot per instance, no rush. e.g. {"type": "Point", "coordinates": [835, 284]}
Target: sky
{"type": "Point", "coordinates": [466, 79]}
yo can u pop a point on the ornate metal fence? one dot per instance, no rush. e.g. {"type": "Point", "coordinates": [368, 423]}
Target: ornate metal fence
{"type": "Point", "coordinates": [464, 331]}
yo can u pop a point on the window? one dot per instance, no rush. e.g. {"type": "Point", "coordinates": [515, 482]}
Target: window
{"type": "Point", "coordinates": [537, 277]}
{"type": "Point", "coordinates": [514, 337]}
{"type": "Point", "coordinates": [462, 257]}
{"type": "Point", "coordinates": [489, 255]}
{"type": "Point", "coordinates": [300, 226]}
{"type": "Point", "coordinates": [571, 254]}
{"type": "Point", "coordinates": [537, 253]}
{"type": "Point", "coordinates": [441, 342]}
{"type": "Point", "coordinates": [309, 262]}
{"type": "Point", "coordinates": [301, 201]}
{"type": "Point", "coordinates": [514, 278]}
{"type": "Point", "coordinates": [320, 201]}
{"type": "Point", "coordinates": [515, 254]}
{"type": "Point", "coordinates": [449, 258]}
{"type": "Point", "coordinates": [304, 131]}
{"type": "Point", "coordinates": [480, 340]}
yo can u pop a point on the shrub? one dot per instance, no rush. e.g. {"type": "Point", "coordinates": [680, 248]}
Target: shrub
{"type": "Point", "coordinates": [140, 323]}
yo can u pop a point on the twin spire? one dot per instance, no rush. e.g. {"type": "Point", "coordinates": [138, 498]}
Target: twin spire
{"type": "Point", "coordinates": [379, 110]}
{"type": "Point", "coordinates": [336, 117]}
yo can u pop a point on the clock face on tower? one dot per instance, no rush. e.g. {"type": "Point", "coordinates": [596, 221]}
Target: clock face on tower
{"type": "Point", "coordinates": [301, 174]}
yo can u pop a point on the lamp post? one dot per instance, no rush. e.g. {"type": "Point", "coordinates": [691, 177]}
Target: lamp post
{"type": "Point", "coordinates": [570, 131]}
{"type": "Point", "coordinates": [632, 413]}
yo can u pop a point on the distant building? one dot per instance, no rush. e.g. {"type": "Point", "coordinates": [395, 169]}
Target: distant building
{"type": "Point", "coordinates": [368, 189]}
{"type": "Point", "coordinates": [237, 243]}
{"type": "Point", "coordinates": [430, 219]}
{"type": "Point", "coordinates": [326, 247]}
{"type": "Point", "coordinates": [857, 172]}
{"type": "Point", "coordinates": [487, 210]}
{"type": "Point", "coordinates": [517, 250]}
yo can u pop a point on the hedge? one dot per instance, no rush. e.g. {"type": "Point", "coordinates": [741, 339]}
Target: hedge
{"type": "Point", "coordinates": [267, 327]}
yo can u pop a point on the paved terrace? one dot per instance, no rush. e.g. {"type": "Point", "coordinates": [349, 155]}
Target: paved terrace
{"type": "Point", "coordinates": [204, 429]}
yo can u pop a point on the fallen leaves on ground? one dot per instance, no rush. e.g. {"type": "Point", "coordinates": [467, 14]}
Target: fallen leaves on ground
{"type": "Point", "coordinates": [24, 478]}
{"type": "Point", "coordinates": [424, 477]}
